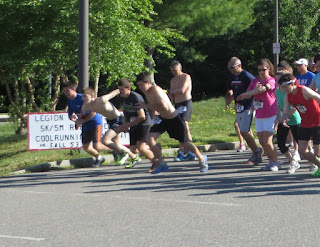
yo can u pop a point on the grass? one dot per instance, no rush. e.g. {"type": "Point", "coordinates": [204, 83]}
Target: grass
{"type": "Point", "coordinates": [210, 123]}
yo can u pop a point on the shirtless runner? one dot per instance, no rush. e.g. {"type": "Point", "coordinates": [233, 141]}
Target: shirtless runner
{"type": "Point", "coordinates": [114, 118]}
{"type": "Point", "coordinates": [168, 120]}
{"type": "Point", "coordinates": [180, 92]}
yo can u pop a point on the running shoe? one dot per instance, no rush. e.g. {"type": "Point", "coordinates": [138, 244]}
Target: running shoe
{"type": "Point", "coordinates": [241, 148]}
{"type": "Point", "coordinates": [98, 162]}
{"type": "Point", "coordinates": [133, 162]}
{"type": "Point", "coordinates": [316, 174]}
{"type": "Point", "coordinates": [179, 157]}
{"type": "Point", "coordinates": [160, 168]}
{"type": "Point", "coordinates": [258, 157]}
{"type": "Point", "coordinates": [154, 165]}
{"type": "Point", "coordinates": [293, 166]}
{"type": "Point", "coordinates": [313, 168]}
{"type": "Point", "coordinates": [120, 161]}
{"type": "Point", "coordinates": [267, 167]}
{"type": "Point", "coordinates": [204, 167]}
{"type": "Point", "coordinates": [272, 166]}
{"type": "Point", "coordinates": [251, 159]}
{"type": "Point", "coordinates": [189, 157]}
{"type": "Point", "coordinates": [276, 166]}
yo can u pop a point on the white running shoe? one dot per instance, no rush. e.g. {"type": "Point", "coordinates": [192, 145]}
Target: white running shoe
{"type": "Point", "coordinates": [313, 168]}
{"type": "Point", "coordinates": [293, 166]}
{"type": "Point", "coordinates": [272, 166]}
{"type": "Point", "coordinates": [276, 166]}
{"type": "Point", "coordinates": [241, 148]}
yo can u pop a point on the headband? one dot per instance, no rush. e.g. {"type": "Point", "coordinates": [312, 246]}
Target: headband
{"type": "Point", "coordinates": [288, 82]}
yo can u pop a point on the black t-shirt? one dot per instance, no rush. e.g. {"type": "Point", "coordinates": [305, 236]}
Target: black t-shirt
{"type": "Point", "coordinates": [239, 84]}
{"type": "Point", "coordinates": [129, 108]}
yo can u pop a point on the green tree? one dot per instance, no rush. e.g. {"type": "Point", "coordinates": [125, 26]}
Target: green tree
{"type": "Point", "coordinates": [40, 38]}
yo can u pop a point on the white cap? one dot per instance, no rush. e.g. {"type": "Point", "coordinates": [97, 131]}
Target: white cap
{"type": "Point", "coordinates": [301, 61]}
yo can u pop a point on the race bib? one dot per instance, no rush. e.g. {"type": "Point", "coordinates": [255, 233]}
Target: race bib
{"type": "Point", "coordinates": [182, 109]}
{"type": "Point", "coordinates": [156, 120]}
{"type": "Point", "coordinates": [301, 108]}
{"type": "Point", "coordinates": [258, 104]}
{"type": "Point", "coordinates": [132, 119]}
{"type": "Point", "coordinates": [239, 108]}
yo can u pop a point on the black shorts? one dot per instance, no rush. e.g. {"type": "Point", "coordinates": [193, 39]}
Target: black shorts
{"type": "Point", "coordinates": [115, 123]}
{"type": "Point", "coordinates": [93, 135]}
{"type": "Point", "coordinates": [138, 133]}
{"type": "Point", "coordinates": [306, 134]}
{"type": "Point", "coordinates": [175, 127]}
{"type": "Point", "coordinates": [185, 109]}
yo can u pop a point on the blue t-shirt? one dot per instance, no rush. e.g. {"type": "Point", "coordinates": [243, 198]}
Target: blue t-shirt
{"type": "Point", "coordinates": [316, 79]}
{"type": "Point", "coordinates": [239, 84]}
{"type": "Point", "coordinates": [75, 105]}
{"type": "Point", "coordinates": [305, 79]}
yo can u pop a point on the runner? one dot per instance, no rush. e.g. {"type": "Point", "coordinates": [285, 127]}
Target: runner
{"type": "Point", "coordinates": [180, 92]}
{"type": "Point", "coordinates": [262, 89]}
{"type": "Point", "coordinates": [168, 120]}
{"type": "Point", "coordinates": [137, 121]}
{"type": "Point", "coordinates": [91, 123]}
{"type": "Point", "coordinates": [105, 108]}
{"type": "Point", "coordinates": [283, 128]}
{"type": "Point", "coordinates": [305, 100]}
{"type": "Point", "coordinates": [239, 82]}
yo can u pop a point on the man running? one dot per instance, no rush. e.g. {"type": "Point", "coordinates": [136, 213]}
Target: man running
{"type": "Point", "coordinates": [138, 121]}
{"type": "Point", "coordinates": [91, 123]}
{"type": "Point", "coordinates": [107, 109]}
{"type": "Point", "coordinates": [168, 120]}
{"type": "Point", "coordinates": [240, 80]}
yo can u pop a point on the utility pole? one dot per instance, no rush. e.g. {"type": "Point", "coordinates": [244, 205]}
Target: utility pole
{"type": "Point", "coordinates": [276, 45]}
{"type": "Point", "coordinates": [83, 68]}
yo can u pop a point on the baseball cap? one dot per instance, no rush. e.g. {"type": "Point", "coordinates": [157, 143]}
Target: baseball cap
{"type": "Point", "coordinates": [301, 61]}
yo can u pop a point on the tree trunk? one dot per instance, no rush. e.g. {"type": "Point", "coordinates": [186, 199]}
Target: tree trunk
{"type": "Point", "coordinates": [55, 97]}
{"type": "Point", "coordinates": [31, 95]}
{"type": "Point", "coordinates": [149, 63]}
{"type": "Point", "coordinates": [96, 83]}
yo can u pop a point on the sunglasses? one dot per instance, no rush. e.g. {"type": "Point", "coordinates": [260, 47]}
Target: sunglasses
{"type": "Point", "coordinates": [232, 67]}
{"type": "Point", "coordinates": [260, 70]}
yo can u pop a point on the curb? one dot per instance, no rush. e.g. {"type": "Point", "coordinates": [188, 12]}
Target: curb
{"type": "Point", "coordinates": [87, 162]}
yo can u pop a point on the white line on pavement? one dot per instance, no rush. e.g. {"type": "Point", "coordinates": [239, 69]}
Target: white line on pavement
{"type": "Point", "coordinates": [137, 198]}
{"type": "Point", "coordinates": [25, 238]}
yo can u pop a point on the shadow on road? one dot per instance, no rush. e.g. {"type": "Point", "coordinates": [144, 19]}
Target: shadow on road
{"type": "Point", "coordinates": [228, 175]}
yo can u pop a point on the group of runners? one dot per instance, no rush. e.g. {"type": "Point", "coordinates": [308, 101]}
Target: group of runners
{"type": "Point", "coordinates": [145, 122]}
{"type": "Point", "coordinates": [282, 103]}
{"type": "Point", "coordinates": [279, 102]}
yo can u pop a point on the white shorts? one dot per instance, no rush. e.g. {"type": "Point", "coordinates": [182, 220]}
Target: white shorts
{"type": "Point", "coordinates": [265, 124]}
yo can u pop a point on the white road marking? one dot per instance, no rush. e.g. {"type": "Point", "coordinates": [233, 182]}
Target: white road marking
{"type": "Point", "coordinates": [136, 198]}
{"type": "Point", "coordinates": [25, 238]}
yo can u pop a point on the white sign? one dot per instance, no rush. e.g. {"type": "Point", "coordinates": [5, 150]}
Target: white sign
{"type": "Point", "coordinates": [276, 48]}
{"type": "Point", "coordinates": [54, 130]}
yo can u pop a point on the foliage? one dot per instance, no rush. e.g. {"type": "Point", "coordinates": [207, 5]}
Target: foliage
{"type": "Point", "coordinates": [40, 38]}
{"type": "Point", "coordinates": [298, 35]}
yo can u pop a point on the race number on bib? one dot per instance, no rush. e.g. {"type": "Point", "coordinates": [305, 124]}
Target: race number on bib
{"type": "Point", "coordinates": [156, 120]}
{"type": "Point", "coordinates": [132, 119]}
{"type": "Point", "coordinates": [182, 109]}
{"type": "Point", "coordinates": [258, 104]}
{"type": "Point", "coordinates": [239, 108]}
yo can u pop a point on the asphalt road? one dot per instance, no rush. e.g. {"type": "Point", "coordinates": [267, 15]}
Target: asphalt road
{"type": "Point", "coordinates": [233, 204]}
